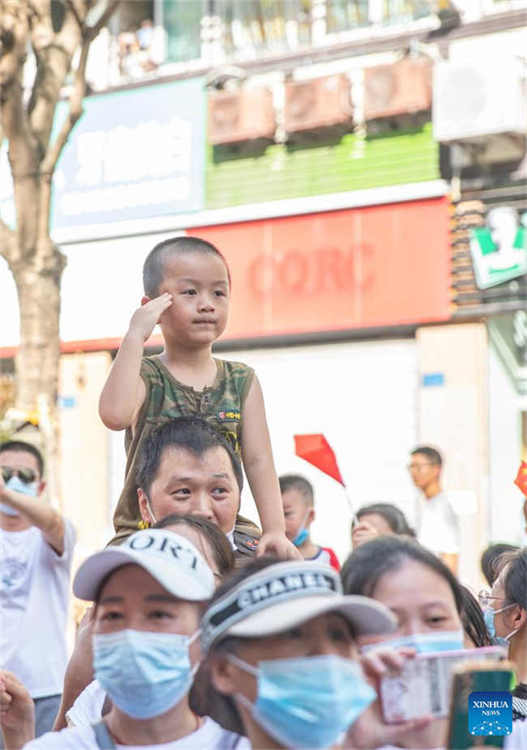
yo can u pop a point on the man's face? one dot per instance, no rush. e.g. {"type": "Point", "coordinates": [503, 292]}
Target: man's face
{"type": "Point", "coordinates": [18, 460]}
{"type": "Point", "coordinates": [422, 470]}
{"type": "Point", "coordinates": [188, 484]}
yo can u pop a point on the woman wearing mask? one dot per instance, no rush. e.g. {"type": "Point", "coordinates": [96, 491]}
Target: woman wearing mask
{"type": "Point", "coordinates": [149, 594]}
{"type": "Point", "coordinates": [281, 651]}
{"type": "Point", "coordinates": [427, 600]}
{"type": "Point", "coordinates": [505, 611]}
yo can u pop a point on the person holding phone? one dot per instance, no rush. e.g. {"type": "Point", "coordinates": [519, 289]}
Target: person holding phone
{"type": "Point", "coordinates": [427, 600]}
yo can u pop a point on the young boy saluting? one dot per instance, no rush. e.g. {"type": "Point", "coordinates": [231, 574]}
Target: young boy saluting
{"type": "Point", "coordinates": [187, 289]}
{"type": "Point", "coordinates": [299, 512]}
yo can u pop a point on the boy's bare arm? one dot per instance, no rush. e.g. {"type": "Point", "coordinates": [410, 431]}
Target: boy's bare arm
{"type": "Point", "coordinates": [261, 473]}
{"type": "Point", "coordinates": [124, 391]}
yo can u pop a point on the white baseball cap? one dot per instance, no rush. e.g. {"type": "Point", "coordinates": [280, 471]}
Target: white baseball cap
{"type": "Point", "coordinates": [169, 558]}
{"type": "Point", "coordinates": [284, 595]}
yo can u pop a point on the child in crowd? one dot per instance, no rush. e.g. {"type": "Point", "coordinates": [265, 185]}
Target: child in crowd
{"type": "Point", "coordinates": [187, 287]}
{"type": "Point", "coordinates": [299, 513]}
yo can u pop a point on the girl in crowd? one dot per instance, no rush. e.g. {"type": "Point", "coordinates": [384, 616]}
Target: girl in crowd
{"type": "Point", "coordinates": [149, 594]}
{"type": "Point", "coordinates": [428, 602]}
{"type": "Point", "coordinates": [378, 519]}
{"type": "Point", "coordinates": [505, 610]}
{"type": "Point", "coordinates": [282, 654]}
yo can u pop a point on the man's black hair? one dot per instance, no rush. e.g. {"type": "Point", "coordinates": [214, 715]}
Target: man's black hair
{"type": "Point", "coordinates": [432, 454]}
{"type": "Point", "coordinates": [192, 434]}
{"type": "Point", "coordinates": [297, 482]}
{"type": "Point", "coordinates": [18, 446]}
{"type": "Point", "coordinates": [154, 265]}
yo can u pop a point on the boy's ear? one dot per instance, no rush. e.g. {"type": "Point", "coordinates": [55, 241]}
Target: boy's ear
{"type": "Point", "coordinates": [311, 516]}
{"type": "Point", "coordinates": [144, 300]}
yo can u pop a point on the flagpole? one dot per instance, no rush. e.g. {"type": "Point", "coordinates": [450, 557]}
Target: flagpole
{"type": "Point", "coordinates": [349, 501]}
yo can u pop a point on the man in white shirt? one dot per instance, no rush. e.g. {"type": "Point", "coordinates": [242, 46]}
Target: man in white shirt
{"type": "Point", "coordinates": [36, 547]}
{"type": "Point", "coordinates": [437, 522]}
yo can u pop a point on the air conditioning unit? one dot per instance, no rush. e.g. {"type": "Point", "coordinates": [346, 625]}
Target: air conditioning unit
{"type": "Point", "coordinates": [399, 89]}
{"type": "Point", "coordinates": [242, 115]}
{"type": "Point", "coordinates": [317, 104]}
{"type": "Point", "coordinates": [476, 99]}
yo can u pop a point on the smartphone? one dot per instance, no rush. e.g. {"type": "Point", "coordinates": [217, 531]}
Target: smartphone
{"type": "Point", "coordinates": [479, 677]}
{"type": "Point", "coordinates": [423, 686]}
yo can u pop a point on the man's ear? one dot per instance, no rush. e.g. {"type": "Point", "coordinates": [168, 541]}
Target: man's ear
{"type": "Point", "coordinates": [41, 487]}
{"type": "Point", "coordinates": [143, 506]}
{"type": "Point", "coordinates": [144, 300]}
{"type": "Point", "coordinates": [222, 673]}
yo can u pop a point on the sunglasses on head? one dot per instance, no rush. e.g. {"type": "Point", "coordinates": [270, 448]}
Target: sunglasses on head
{"type": "Point", "coordinates": [28, 476]}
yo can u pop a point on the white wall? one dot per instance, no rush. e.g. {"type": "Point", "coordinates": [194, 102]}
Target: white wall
{"type": "Point", "coordinates": [362, 396]}
{"type": "Point", "coordinates": [506, 520]}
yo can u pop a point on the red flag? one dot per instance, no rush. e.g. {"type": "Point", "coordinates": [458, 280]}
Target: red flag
{"type": "Point", "coordinates": [316, 450]}
{"type": "Point", "coordinates": [521, 478]}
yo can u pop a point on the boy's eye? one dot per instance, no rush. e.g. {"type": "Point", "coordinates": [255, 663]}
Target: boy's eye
{"type": "Point", "coordinates": [219, 293]}
{"type": "Point", "coordinates": [189, 291]}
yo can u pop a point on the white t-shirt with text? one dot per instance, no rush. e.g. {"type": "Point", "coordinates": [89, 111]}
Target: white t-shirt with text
{"type": "Point", "coordinates": [34, 596]}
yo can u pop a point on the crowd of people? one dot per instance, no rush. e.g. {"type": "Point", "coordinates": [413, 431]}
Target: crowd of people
{"type": "Point", "coordinates": [204, 630]}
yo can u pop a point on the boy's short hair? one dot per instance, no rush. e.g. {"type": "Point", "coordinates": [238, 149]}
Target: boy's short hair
{"type": "Point", "coordinates": [154, 265]}
{"type": "Point", "coordinates": [432, 454]}
{"type": "Point", "coordinates": [299, 483]}
{"type": "Point", "coordinates": [18, 446]}
{"type": "Point", "coordinates": [192, 434]}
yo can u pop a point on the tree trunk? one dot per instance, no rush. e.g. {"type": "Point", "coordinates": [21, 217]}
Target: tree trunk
{"type": "Point", "coordinates": [38, 357]}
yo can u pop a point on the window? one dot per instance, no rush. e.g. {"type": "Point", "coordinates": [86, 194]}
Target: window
{"type": "Point", "coordinates": [344, 15]}
{"type": "Point", "coordinates": [182, 22]}
{"type": "Point", "coordinates": [254, 26]}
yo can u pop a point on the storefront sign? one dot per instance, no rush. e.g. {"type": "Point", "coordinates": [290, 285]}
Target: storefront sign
{"type": "Point", "coordinates": [499, 249]}
{"type": "Point", "coordinates": [371, 266]}
{"type": "Point", "coordinates": [134, 154]}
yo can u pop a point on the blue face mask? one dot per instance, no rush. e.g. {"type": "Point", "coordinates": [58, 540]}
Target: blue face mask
{"type": "Point", "coordinates": [301, 537]}
{"type": "Point", "coordinates": [17, 485]}
{"type": "Point", "coordinates": [302, 534]}
{"type": "Point", "coordinates": [488, 616]}
{"type": "Point", "coordinates": [144, 673]}
{"type": "Point", "coordinates": [307, 702]}
{"type": "Point", "coordinates": [423, 643]}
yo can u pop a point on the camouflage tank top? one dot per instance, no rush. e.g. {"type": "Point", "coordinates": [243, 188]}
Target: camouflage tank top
{"type": "Point", "coordinates": [166, 398]}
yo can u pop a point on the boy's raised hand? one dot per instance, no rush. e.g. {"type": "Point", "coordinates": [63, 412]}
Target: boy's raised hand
{"type": "Point", "coordinates": [147, 316]}
{"type": "Point", "coordinates": [276, 544]}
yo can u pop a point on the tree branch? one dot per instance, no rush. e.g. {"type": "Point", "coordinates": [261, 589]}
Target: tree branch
{"type": "Point", "coordinates": [75, 13]}
{"type": "Point", "coordinates": [77, 94]}
{"type": "Point", "coordinates": [103, 20]}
